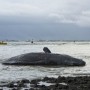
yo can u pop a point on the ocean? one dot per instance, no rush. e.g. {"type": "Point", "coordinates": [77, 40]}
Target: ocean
{"type": "Point", "coordinates": [77, 49]}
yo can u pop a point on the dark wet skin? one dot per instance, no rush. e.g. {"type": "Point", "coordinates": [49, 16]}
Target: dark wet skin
{"type": "Point", "coordinates": [46, 50]}
{"type": "Point", "coordinates": [46, 58]}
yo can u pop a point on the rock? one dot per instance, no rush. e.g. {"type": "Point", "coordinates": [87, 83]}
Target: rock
{"type": "Point", "coordinates": [35, 81]}
{"type": "Point", "coordinates": [72, 83]}
{"type": "Point", "coordinates": [25, 81]}
{"type": "Point", "coordinates": [11, 85]}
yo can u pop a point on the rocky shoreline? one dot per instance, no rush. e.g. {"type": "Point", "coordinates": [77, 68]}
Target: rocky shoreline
{"type": "Point", "coordinates": [60, 83]}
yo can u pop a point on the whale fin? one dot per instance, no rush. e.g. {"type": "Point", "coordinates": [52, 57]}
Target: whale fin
{"type": "Point", "coordinates": [46, 50]}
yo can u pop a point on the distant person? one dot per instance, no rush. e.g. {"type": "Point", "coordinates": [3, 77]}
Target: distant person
{"type": "Point", "coordinates": [32, 41]}
{"type": "Point", "coordinates": [46, 50]}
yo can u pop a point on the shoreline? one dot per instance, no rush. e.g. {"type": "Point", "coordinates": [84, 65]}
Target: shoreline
{"type": "Point", "coordinates": [49, 83]}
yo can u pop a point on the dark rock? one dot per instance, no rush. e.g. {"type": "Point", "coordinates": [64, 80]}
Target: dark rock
{"type": "Point", "coordinates": [1, 89]}
{"type": "Point", "coordinates": [35, 81]}
{"type": "Point", "coordinates": [31, 89]}
{"type": "Point", "coordinates": [49, 80]}
{"type": "Point", "coordinates": [11, 85]}
{"type": "Point", "coordinates": [71, 83]}
{"type": "Point", "coordinates": [20, 84]}
{"type": "Point", "coordinates": [25, 81]}
{"type": "Point", "coordinates": [14, 89]}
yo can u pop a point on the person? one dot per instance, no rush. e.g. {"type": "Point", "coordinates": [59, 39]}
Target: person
{"type": "Point", "coordinates": [46, 50]}
{"type": "Point", "coordinates": [32, 41]}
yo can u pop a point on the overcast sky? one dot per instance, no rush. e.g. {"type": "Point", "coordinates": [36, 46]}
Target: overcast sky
{"type": "Point", "coordinates": [45, 19]}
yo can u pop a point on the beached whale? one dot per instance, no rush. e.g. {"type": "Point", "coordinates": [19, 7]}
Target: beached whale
{"type": "Point", "coordinates": [44, 59]}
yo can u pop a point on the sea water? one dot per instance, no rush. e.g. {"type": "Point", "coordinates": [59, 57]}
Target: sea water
{"type": "Point", "coordinates": [76, 49]}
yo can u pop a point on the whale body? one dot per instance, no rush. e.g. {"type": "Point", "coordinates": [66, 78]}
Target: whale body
{"type": "Point", "coordinates": [44, 59]}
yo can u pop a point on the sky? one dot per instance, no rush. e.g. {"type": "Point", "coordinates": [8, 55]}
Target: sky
{"type": "Point", "coordinates": [45, 19]}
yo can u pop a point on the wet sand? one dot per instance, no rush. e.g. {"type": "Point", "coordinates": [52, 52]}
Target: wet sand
{"type": "Point", "coordinates": [47, 83]}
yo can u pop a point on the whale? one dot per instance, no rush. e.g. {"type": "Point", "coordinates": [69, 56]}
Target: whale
{"type": "Point", "coordinates": [41, 58]}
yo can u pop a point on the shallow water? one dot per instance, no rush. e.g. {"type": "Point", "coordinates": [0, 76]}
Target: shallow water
{"type": "Point", "coordinates": [76, 49]}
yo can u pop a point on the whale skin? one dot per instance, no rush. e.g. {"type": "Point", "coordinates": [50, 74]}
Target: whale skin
{"type": "Point", "coordinates": [44, 59]}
